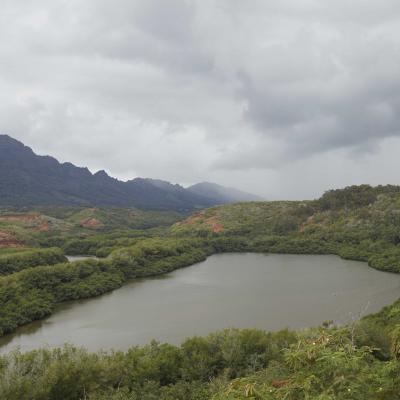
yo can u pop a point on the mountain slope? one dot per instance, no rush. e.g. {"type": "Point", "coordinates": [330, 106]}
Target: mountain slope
{"type": "Point", "coordinates": [28, 179]}
{"type": "Point", "coordinates": [221, 194]}
{"type": "Point", "coordinates": [352, 214]}
{"type": "Point", "coordinates": [358, 222]}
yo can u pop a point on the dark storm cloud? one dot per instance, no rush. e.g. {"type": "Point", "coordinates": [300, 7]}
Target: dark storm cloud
{"type": "Point", "coordinates": [343, 102]}
{"type": "Point", "coordinates": [203, 89]}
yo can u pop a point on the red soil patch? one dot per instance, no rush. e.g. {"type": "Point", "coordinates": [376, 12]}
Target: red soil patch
{"type": "Point", "coordinates": [193, 219]}
{"type": "Point", "coordinates": [214, 224]}
{"type": "Point", "coordinates": [43, 227]}
{"type": "Point", "coordinates": [304, 224]}
{"type": "Point", "coordinates": [91, 223]}
{"type": "Point", "coordinates": [9, 240]}
{"type": "Point", "coordinates": [20, 217]}
{"type": "Point", "coordinates": [210, 222]}
{"type": "Point", "coordinates": [310, 221]}
{"type": "Point", "coordinates": [32, 221]}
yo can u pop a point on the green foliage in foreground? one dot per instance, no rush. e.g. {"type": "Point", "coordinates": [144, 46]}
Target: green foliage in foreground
{"type": "Point", "coordinates": [11, 262]}
{"type": "Point", "coordinates": [326, 367]}
{"type": "Point", "coordinates": [156, 371]}
{"type": "Point", "coordinates": [324, 364]}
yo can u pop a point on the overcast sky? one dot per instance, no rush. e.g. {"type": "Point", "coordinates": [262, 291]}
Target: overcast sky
{"type": "Point", "coordinates": [283, 98]}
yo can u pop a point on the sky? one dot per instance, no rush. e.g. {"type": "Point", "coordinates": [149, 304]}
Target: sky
{"type": "Point", "coordinates": [285, 99]}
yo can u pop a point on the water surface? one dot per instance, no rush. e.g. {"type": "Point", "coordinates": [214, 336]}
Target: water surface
{"type": "Point", "coordinates": [229, 290]}
{"type": "Point", "coordinates": [79, 258]}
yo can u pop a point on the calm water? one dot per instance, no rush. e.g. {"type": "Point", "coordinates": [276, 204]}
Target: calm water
{"type": "Point", "coordinates": [78, 258]}
{"type": "Point", "coordinates": [230, 290]}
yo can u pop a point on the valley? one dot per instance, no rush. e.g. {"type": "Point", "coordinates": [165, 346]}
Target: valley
{"type": "Point", "coordinates": [138, 295]}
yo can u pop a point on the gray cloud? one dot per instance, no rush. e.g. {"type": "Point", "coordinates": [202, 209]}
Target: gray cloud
{"type": "Point", "coordinates": [233, 91]}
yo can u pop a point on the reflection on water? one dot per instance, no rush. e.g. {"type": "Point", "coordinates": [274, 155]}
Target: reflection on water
{"type": "Point", "coordinates": [229, 290]}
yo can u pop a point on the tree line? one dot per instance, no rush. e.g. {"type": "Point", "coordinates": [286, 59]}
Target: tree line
{"type": "Point", "coordinates": [16, 261]}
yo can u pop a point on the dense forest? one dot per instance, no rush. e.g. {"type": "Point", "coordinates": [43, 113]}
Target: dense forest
{"type": "Point", "coordinates": [232, 364]}
{"type": "Point", "coordinates": [360, 361]}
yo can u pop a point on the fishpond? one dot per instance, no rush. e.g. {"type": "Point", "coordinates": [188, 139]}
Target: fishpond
{"type": "Point", "coordinates": [79, 258]}
{"type": "Point", "coordinates": [228, 290]}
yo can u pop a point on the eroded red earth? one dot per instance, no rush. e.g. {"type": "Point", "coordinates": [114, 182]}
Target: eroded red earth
{"type": "Point", "coordinates": [210, 222]}
{"type": "Point", "coordinates": [7, 239]}
{"type": "Point", "coordinates": [91, 223]}
{"type": "Point", "coordinates": [20, 217]}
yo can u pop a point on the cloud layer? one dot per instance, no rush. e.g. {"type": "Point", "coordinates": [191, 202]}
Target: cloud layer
{"type": "Point", "coordinates": [285, 98]}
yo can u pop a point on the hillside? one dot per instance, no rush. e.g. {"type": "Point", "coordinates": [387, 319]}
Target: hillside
{"type": "Point", "coordinates": [57, 225]}
{"type": "Point", "coordinates": [358, 361]}
{"type": "Point", "coordinates": [358, 222]}
{"type": "Point", "coordinates": [27, 179]}
{"type": "Point", "coordinates": [355, 208]}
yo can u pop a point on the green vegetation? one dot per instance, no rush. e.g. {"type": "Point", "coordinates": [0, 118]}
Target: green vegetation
{"type": "Point", "coordinates": [326, 363]}
{"type": "Point", "coordinates": [360, 223]}
{"type": "Point", "coordinates": [156, 371]}
{"type": "Point", "coordinates": [13, 250]}
{"type": "Point", "coordinates": [100, 244]}
{"type": "Point", "coordinates": [361, 361]}
{"type": "Point", "coordinates": [106, 219]}
{"type": "Point", "coordinates": [32, 293]}
{"type": "Point", "coordinates": [54, 226]}
{"type": "Point", "coordinates": [17, 260]}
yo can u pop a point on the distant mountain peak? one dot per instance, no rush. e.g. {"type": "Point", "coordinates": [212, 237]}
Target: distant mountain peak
{"type": "Point", "coordinates": [102, 173]}
{"type": "Point", "coordinates": [6, 140]}
{"type": "Point", "coordinates": [28, 179]}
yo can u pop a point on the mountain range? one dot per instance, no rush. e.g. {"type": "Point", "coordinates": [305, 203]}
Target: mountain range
{"type": "Point", "coordinates": [29, 179]}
